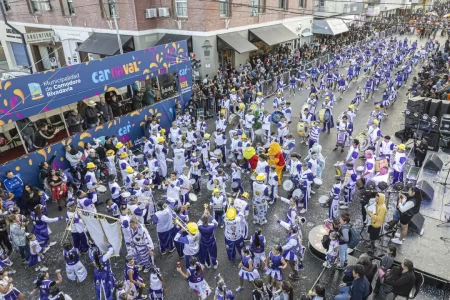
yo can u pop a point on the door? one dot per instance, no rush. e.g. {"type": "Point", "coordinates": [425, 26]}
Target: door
{"type": "Point", "coordinates": [20, 55]}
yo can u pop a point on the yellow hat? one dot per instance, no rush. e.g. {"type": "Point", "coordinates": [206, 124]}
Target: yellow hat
{"type": "Point", "coordinates": [162, 131]}
{"type": "Point", "coordinates": [233, 90]}
{"type": "Point", "coordinates": [129, 170]}
{"type": "Point", "coordinates": [160, 139]}
{"type": "Point", "coordinates": [123, 155]}
{"type": "Point", "coordinates": [90, 165]}
{"type": "Point", "coordinates": [261, 177]}
{"type": "Point", "coordinates": [279, 93]}
{"type": "Point", "coordinates": [215, 191]}
{"type": "Point", "coordinates": [259, 94]}
{"type": "Point", "coordinates": [401, 147]}
{"type": "Point", "coordinates": [313, 94]}
{"type": "Point", "coordinates": [231, 213]}
{"type": "Point", "coordinates": [242, 106]}
{"type": "Point", "coordinates": [119, 145]}
{"type": "Point", "coordinates": [192, 227]}
{"type": "Point", "coordinates": [351, 106]}
{"type": "Point", "coordinates": [327, 98]}
{"type": "Point", "coordinates": [244, 136]}
{"type": "Point", "coordinates": [206, 136]}
{"type": "Point", "coordinates": [110, 152]}
{"type": "Point", "coordinates": [376, 122]}
{"type": "Point", "coordinates": [377, 106]}
{"type": "Point", "coordinates": [245, 195]}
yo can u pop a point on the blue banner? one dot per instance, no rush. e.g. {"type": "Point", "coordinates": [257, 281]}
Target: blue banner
{"type": "Point", "coordinates": [129, 129]}
{"type": "Point", "coordinates": [30, 95]}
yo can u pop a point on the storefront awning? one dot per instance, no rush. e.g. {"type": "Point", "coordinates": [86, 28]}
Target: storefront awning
{"type": "Point", "coordinates": [273, 35]}
{"type": "Point", "coordinates": [171, 38]}
{"type": "Point", "coordinates": [329, 26]}
{"type": "Point", "coordinates": [237, 42]}
{"type": "Point", "coordinates": [103, 44]}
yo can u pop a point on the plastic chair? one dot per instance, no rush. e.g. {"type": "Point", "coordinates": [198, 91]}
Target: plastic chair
{"type": "Point", "coordinates": [417, 287]}
{"type": "Point", "coordinates": [56, 121]}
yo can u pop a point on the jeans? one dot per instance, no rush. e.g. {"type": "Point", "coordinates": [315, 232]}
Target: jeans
{"type": "Point", "coordinates": [24, 252]}
{"type": "Point", "coordinates": [343, 293]}
{"type": "Point", "coordinates": [342, 254]}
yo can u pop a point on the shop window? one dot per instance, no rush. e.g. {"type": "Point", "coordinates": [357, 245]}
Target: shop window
{"type": "Point", "coordinates": [283, 4]}
{"type": "Point", "coordinates": [109, 8]}
{"type": "Point", "coordinates": [181, 8]}
{"type": "Point", "coordinates": [6, 5]}
{"type": "Point", "coordinates": [225, 8]}
{"type": "Point", "coordinates": [257, 7]}
{"type": "Point", "coordinates": [68, 7]}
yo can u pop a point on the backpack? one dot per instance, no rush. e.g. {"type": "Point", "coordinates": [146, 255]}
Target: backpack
{"type": "Point", "coordinates": [354, 237]}
{"type": "Point", "coordinates": [326, 241]}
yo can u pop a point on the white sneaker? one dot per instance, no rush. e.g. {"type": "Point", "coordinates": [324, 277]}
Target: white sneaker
{"type": "Point", "coordinates": [239, 288]}
{"type": "Point", "coordinates": [303, 211]}
{"type": "Point", "coordinates": [341, 202]}
{"type": "Point", "coordinates": [37, 268]}
{"type": "Point", "coordinates": [208, 266]}
{"type": "Point", "coordinates": [52, 244]}
{"type": "Point", "coordinates": [343, 206]}
{"type": "Point", "coordinates": [397, 235]}
{"type": "Point", "coordinates": [396, 241]}
{"type": "Point", "coordinates": [313, 192]}
{"type": "Point", "coordinates": [217, 264]}
{"type": "Point", "coordinates": [45, 249]}
{"type": "Point", "coordinates": [44, 269]}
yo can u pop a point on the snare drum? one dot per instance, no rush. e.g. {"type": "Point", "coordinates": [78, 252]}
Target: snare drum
{"type": "Point", "coordinates": [324, 115]}
{"type": "Point", "coordinates": [192, 197]}
{"type": "Point", "coordinates": [340, 169]}
{"type": "Point", "coordinates": [217, 153]}
{"type": "Point", "coordinates": [192, 181]}
{"type": "Point", "coordinates": [288, 185]}
{"type": "Point", "coordinates": [297, 193]}
{"type": "Point", "coordinates": [233, 119]}
{"type": "Point", "coordinates": [210, 185]}
{"type": "Point", "coordinates": [363, 141]}
{"type": "Point", "coordinates": [317, 182]}
{"type": "Point", "coordinates": [187, 146]}
{"type": "Point", "coordinates": [341, 137]}
{"type": "Point", "coordinates": [276, 116]}
{"type": "Point", "coordinates": [101, 188]}
{"type": "Point", "coordinates": [323, 199]}
{"type": "Point", "coordinates": [380, 163]}
{"type": "Point", "coordinates": [360, 170]}
{"type": "Point", "coordinates": [302, 129]}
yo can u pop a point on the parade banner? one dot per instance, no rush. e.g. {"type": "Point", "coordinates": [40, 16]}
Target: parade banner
{"type": "Point", "coordinates": [30, 95]}
{"type": "Point", "coordinates": [129, 129]}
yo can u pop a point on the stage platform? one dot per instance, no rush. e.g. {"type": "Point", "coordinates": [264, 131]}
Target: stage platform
{"type": "Point", "coordinates": [430, 252]}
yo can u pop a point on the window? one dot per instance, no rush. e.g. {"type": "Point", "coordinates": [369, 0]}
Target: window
{"type": "Point", "coordinates": [109, 8]}
{"type": "Point", "coordinates": [181, 8]}
{"type": "Point", "coordinates": [302, 3]}
{"type": "Point", "coordinates": [37, 6]}
{"type": "Point", "coordinates": [282, 4]}
{"type": "Point", "coordinates": [6, 5]}
{"type": "Point", "coordinates": [68, 7]}
{"type": "Point", "coordinates": [224, 8]}
{"type": "Point", "coordinates": [257, 7]}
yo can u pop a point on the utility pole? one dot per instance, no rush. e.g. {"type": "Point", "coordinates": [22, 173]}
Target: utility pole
{"type": "Point", "coordinates": [30, 66]}
{"type": "Point", "coordinates": [112, 3]}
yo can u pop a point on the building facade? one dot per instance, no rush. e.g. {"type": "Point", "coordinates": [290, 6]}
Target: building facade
{"type": "Point", "coordinates": [216, 31]}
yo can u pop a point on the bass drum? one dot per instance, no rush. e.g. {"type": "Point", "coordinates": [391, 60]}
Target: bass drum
{"type": "Point", "coordinates": [324, 115]}
{"type": "Point", "coordinates": [363, 141]}
{"type": "Point", "coordinates": [306, 105]}
{"type": "Point", "coordinates": [276, 116]}
{"type": "Point", "coordinates": [302, 129]}
{"type": "Point", "coordinates": [233, 119]}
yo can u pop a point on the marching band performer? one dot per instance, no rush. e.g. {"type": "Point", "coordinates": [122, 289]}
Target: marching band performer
{"type": "Point", "coordinates": [305, 117]}
{"type": "Point", "coordinates": [292, 249]}
{"type": "Point", "coordinates": [196, 172]}
{"type": "Point", "coordinates": [345, 130]}
{"type": "Point", "coordinates": [75, 270]}
{"type": "Point", "coordinates": [333, 201]}
{"type": "Point", "coordinates": [349, 185]}
{"type": "Point", "coordinates": [173, 187]}
{"type": "Point", "coordinates": [123, 165]}
{"type": "Point", "coordinates": [295, 168]}
{"type": "Point", "coordinates": [273, 184]}
{"type": "Point", "coordinates": [382, 176]}
{"type": "Point", "coordinates": [174, 133]}
{"type": "Point", "coordinates": [279, 99]}
{"type": "Point", "coordinates": [314, 134]}
{"type": "Point", "coordinates": [262, 166]}
{"type": "Point", "coordinates": [205, 148]}
{"type": "Point", "coordinates": [386, 148]}
{"type": "Point", "coordinates": [259, 100]}
{"type": "Point", "coordinates": [129, 179]}
{"type": "Point", "coordinates": [161, 151]}
{"type": "Point", "coordinates": [316, 164]}
{"type": "Point", "coordinates": [133, 160]}
{"type": "Point", "coordinates": [89, 178]}
{"type": "Point", "coordinates": [342, 85]}
{"type": "Point", "coordinates": [179, 158]}
{"type": "Point", "coordinates": [141, 245]}
{"type": "Point", "coordinates": [221, 123]}
{"type": "Point", "coordinates": [222, 292]}
{"type": "Point", "coordinates": [157, 284]}
{"type": "Point", "coordinates": [374, 133]}
{"type": "Point", "coordinates": [138, 210]}
{"type": "Point", "coordinates": [190, 237]}
{"type": "Point", "coordinates": [283, 129]}
{"type": "Point", "coordinates": [78, 229]}
{"type": "Point", "coordinates": [114, 188]}
{"type": "Point", "coordinates": [288, 146]}
{"type": "Point", "coordinates": [320, 159]}
{"type": "Point", "coordinates": [196, 279]}
{"type": "Point", "coordinates": [236, 146]}
{"type": "Point", "coordinates": [220, 140]}
{"type": "Point", "coordinates": [124, 220]}
{"type": "Point", "coordinates": [121, 148]}
{"type": "Point", "coordinates": [369, 166]}
{"type": "Point", "coordinates": [257, 242]}
{"type": "Point", "coordinates": [103, 276]}
{"type": "Point", "coordinates": [148, 146]}
{"type": "Point", "coordinates": [249, 121]}
{"type": "Point", "coordinates": [217, 204]}
{"type": "Point", "coordinates": [185, 186]}
{"type": "Point", "coordinates": [266, 122]}
{"type": "Point", "coordinates": [274, 264]}
{"type": "Point", "coordinates": [212, 167]}
{"type": "Point", "coordinates": [110, 161]}
{"type": "Point", "coordinates": [247, 271]}
{"type": "Point", "coordinates": [307, 176]}
{"type": "Point", "coordinates": [233, 234]}
{"type": "Point", "coordinates": [164, 227]}
{"type": "Point", "coordinates": [200, 126]}
{"type": "Point", "coordinates": [328, 124]}
{"type": "Point", "coordinates": [260, 195]}
{"type": "Point", "coordinates": [40, 227]}
{"type": "Point", "coordinates": [236, 172]}
{"type": "Point", "coordinates": [132, 278]}
{"type": "Point", "coordinates": [353, 153]}
{"type": "Point", "coordinates": [181, 213]}
{"type": "Point", "coordinates": [369, 88]}
{"type": "Point", "coordinates": [399, 163]}
{"type": "Point", "coordinates": [208, 247]}
{"type": "Point", "coordinates": [313, 100]}
{"type": "Point", "coordinates": [376, 114]}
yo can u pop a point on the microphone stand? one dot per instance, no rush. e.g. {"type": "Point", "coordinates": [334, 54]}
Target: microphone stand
{"type": "Point", "coordinates": [445, 184]}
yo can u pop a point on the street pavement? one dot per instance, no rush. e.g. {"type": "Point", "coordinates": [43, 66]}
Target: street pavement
{"type": "Point", "coordinates": [274, 233]}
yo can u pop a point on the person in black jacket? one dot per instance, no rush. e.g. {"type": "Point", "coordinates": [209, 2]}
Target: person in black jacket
{"type": "Point", "coordinates": [4, 238]}
{"type": "Point", "coordinates": [420, 152]}
{"type": "Point", "coordinates": [404, 281]}
{"type": "Point", "coordinates": [92, 115]}
{"type": "Point", "coordinates": [44, 168]}
{"type": "Point", "coordinates": [137, 100]}
{"type": "Point", "coordinates": [31, 196]}
{"type": "Point", "coordinates": [105, 110]}
{"type": "Point", "coordinates": [116, 106]}
{"type": "Point", "coordinates": [109, 144]}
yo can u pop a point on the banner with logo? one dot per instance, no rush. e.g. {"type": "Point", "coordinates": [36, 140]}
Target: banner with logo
{"type": "Point", "coordinates": [30, 95]}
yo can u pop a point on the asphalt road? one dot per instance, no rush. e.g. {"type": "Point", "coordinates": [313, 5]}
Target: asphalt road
{"type": "Point", "coordinates": [274, 233]}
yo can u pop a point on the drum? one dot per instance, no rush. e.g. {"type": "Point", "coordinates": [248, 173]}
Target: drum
{"type": "Point", "coordinates": [233, 119]}
{"type": "Point", "coordinates": [235, 187]}
{"type": "Point", "coordinates": [192, 181]}
{"type": "Point", "coordinates": [192, 197]}
{"type": "Point", "coordinates": [360, 170]}
{"type": "Point", "coordinates": [370, 186]}
{"type": "Point", "coordinates": [210, 185]}
{"type": "Point", "coordinates": [382, 185]}
{"type": "Point", "coordinates": [276, 116]}
{"type": "Point", "coordinates": [317, 182]}
{"type": "Point", "coordinates": [363, 141]}
{"type": "Point", "coordinates": [297, 193]}
{"type": "Point", "coordinates": [187, 146]}
{"type": "Point", "coordinates": [101, 188]}
{"type": "Point", "coordinates": [253, 177]}
{"type": "Point", "coordinates": [341, 136]}
{"type": "Point", "coordinates": [184, 129]}
{"type": "Point", "coordinates": [324, 115]}
{"type": "Point", "coordinates": [380, 163]}
{"type": "Point", "coordinates": [302, 129]}
{"type": "Point", "coordinates": [231, 155]}
{"type": "Point", "coordinates": [340, 169]}
{"type": "Point", "coordinates": [288, 185]}
{"type": "Point", "coordinates": [339, 119]}
{"type": "Point", "coordinates": [125, 194]}
{"type": "Point", "coordinates": [306, 105]}
{"type": "Point", "coordinates": [323, 199]}
{"type": "Point", "coordinates": [218, 153]}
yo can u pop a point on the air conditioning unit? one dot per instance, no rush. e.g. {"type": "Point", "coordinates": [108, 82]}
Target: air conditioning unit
{"type": "Point", "coordinates": [150, 13]}
{"type": "Point", "coordinates": [163, 12]}
{"type": "Point", "coordinates": [46, 6]}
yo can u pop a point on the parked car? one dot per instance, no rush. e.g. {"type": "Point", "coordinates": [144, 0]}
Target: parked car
{"type": "Point", "coordinates": [12, 75]}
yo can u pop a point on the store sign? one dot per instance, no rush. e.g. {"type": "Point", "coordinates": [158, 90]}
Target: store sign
{"type": "Point", "coordinates": [12, 33]}
{"type": "Point", "coordinates": [39, 37]}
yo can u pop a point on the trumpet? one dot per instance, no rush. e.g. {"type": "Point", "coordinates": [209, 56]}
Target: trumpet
{"type": "Point", "coordinates": [181, 224]}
